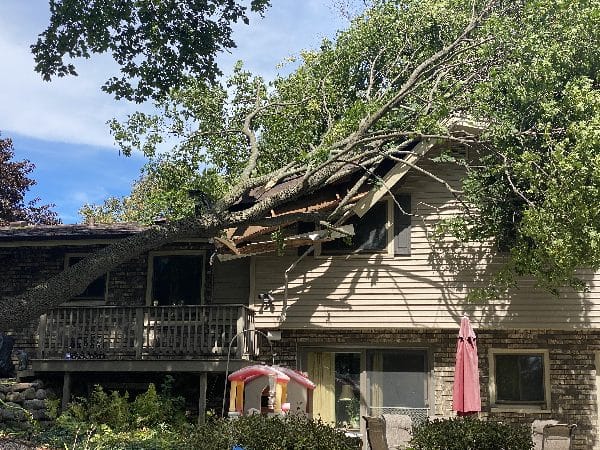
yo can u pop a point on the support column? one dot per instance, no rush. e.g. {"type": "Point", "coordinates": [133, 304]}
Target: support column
{"type": "Point", "coordinates": [202, 398]}
{"type": "Point", "coordinates": [278, 397]}
{"type": "Point", "coordinates": [232, 395]}
{"type": "Point", "coordinates": [66, 394]}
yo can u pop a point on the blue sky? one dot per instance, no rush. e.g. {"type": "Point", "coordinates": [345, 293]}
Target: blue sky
{"type": "Point", "coordinates": [61, 126]}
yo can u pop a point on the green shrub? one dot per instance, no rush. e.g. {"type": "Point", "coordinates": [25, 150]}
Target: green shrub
{"type": "Point", "coordinates": [270, 433]}
{"type": "Point", "coordinates": [110, 421]}
{"type": "Point", "coordinates": [470, 434]}
{"type": "Point", "coordinates": [150, 408]}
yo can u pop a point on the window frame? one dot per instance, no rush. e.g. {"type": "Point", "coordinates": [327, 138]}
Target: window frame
{"type": "Point", "coordinates": [150, 270]}
{"type": "Point", "coordinates": [522, 407]}
{"type": "Point", "coordinates": [80, 300]}
{"type": "Point", "coordinates": [390, 226]}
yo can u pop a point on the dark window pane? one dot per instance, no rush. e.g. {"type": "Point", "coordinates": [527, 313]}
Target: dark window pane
{"type": "Point", "coordinates": [177, 279]}
{"type": "Point", "coordinates": [520, 378]}
{"type": "Point", "coordinates": [532, 378]}
{"type": "Point", "coordinates": [347, 390]}
{"type": "Point", "coordinates": [95, 290]}
{"type": "Point", "coordinates": [370, 233]}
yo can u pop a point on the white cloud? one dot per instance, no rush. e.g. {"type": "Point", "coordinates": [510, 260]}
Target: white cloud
{"type": "Point", "coordinates": [66, 110]}
{"type": "Point", "coordinates": [74, 110]}
{"type": "Point", "coordinates": [47, 119]}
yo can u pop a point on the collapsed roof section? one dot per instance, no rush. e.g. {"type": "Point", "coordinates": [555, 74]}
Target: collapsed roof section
{"type": "Point", "coordinates": [250, 240]}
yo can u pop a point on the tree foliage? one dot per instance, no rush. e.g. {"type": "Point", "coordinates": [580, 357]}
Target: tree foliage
{"type": "Point", "coordinates": [155, 43]}
{"type": "Point", "coordinates": [161, 192]}
{"type": "Point", "coordinates": [14, 186]}
{"type": "Point", "coordinates": [527, 71]}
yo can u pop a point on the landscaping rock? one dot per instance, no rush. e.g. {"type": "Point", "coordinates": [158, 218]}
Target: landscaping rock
{"type": "Point", "coordinates": [13, 397]}
{"type": "Point", "coordinates": [41, 394]}
{"type": "Point", "coordinates": [28, 394]}
{"type": "Point", "coordinates": [40, 414]}
{"type": "Point", "coordinates": [34, 404]}
{"type": "Point", "coordinates": [18, 387]}
{"type": "Point", "coordinates": [7, 414]}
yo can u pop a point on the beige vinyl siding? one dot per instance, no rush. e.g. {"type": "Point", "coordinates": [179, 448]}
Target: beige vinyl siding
{"type": "Point", "coordinates": [419, 290]}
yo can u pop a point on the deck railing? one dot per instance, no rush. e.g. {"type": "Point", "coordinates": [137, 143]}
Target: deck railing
{"type": "Point", "coordinates": [145, 332]}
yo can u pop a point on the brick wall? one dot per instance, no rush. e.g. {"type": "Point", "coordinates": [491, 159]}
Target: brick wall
{"type": "Point", "coordinates": [571, 361]}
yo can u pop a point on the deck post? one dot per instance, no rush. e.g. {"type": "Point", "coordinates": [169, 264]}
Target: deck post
{"type": "Point", "coordinates": [66, 393]}
{"type": "Point", "coordinates": [241, 334]}
{"type": "Point", "coordinates": [42, 335]}
{"type": "Point", "coordinates": [202, 398]}
{"type": "Point", "coordinates": [139, 332]}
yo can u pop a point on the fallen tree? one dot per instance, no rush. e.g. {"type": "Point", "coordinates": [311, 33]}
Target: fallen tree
{"type": "Point", "coordinates": [396, 78]}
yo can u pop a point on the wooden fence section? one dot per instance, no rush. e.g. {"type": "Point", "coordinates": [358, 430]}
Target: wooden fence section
{"type": "Point", "coordinates": [148, 332]}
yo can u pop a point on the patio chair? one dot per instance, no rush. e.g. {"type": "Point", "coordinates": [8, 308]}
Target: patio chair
{"type": "Point", "coordinates": [558, 436]}
{"type": "Point", "coordinates": [376, 433]}
{"type": "Point", "coordinates": [398, 431]}
{"type": "Point", "coordinates": [537, 432]}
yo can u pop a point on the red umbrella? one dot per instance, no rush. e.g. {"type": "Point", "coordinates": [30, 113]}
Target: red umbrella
{"type": "Point", "coordinates": [466, 398]}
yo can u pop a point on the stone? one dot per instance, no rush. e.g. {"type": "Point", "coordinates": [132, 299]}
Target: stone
{"type": "Point", "coordinates": [28, 394]}
{"type": "Point", "coordinates": [13, 397]}
{"type": "Point", "coordinates": [40, 414]}
{"type": "Point", "coordinates": [41, 394]}
{"type": "Point", "coordinates": [34, 404]}
{"type": "Point", "coordinates": [7, 414]}
{"type": "Point", "coordinates": [18, 387]}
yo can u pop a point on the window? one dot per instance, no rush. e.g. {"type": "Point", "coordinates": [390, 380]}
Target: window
{"type": "Point", "coordinates": [383, 224]}
{"type": "Point", "coordinates": [96, 291]}
{"type": "Point", "coordinates": [519, 378]}
{"type": "Point", "coordinates": [396, 379]}
{"type": "Point", "coordinates": [175, 278]}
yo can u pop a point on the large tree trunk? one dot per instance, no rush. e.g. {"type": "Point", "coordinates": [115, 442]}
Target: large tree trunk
{"type": "Point", "coordinates": [23, 310]}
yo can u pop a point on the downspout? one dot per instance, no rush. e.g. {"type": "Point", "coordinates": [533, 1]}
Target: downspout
{"type": "Point", "coordinates": [286, 277]}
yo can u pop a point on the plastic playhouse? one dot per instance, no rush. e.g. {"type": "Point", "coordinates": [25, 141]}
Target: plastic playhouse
{"type": "Point", "coordinates": [261, 389]}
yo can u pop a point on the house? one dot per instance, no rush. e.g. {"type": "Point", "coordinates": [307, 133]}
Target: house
{"type": "Point", "coordinates": [373, 320]}
{"type": "Point", "coordinates": [167, 311]}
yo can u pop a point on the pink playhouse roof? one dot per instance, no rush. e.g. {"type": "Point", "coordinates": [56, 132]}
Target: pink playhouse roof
{"type": "Point", "coordinates": [298, 377]}
{"type": "Point", "coordinates": [283, 374]}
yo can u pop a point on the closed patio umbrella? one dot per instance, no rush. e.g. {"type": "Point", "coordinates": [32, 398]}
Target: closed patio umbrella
{"type": "Point", "coordinates": [465, 396]}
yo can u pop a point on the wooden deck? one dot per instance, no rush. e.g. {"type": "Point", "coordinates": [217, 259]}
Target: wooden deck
{"type": "Point", "coordinates": [146, 333]}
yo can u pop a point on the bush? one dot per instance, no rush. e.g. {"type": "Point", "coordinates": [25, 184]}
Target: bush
{"type": "Point", "coordinates": [470, 434]}
{"type": "Point", "coordinates": [110, 421]}
{"type": "Point", "coordinates": [270, 433]}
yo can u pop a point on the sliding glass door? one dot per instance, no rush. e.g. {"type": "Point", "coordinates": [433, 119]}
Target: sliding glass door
{"type": "Point", "coordinates": [378, 381]}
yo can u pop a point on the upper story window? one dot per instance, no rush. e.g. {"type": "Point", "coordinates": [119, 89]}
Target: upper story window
{"type": "Point", "coordinates": [519, 378]}
{"type": "Point", "coordinates": [384, 229]}
{"type": "Point", "coordinates": [175, 278]}
{"type": "Point", "coordinates": [96, 291]}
